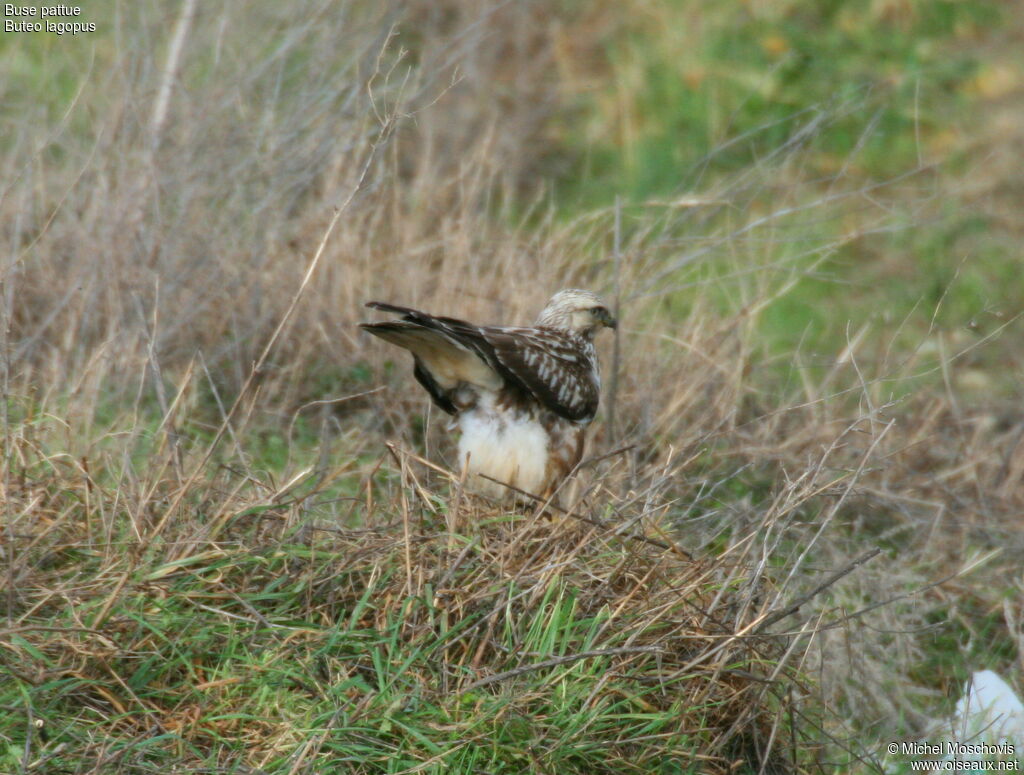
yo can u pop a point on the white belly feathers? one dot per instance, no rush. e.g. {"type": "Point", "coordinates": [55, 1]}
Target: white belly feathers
{"type": "Point", "coordinates": [505, 445]}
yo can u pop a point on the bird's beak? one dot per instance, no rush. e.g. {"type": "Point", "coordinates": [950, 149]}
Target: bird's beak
{"type": "Point", "coordinates": [606, 319]}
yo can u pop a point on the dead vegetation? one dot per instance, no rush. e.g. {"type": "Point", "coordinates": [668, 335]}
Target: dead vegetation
{"type": "Point", "coordinates": [478, 613]}
{"type": "Point", "coordinates": [221, 552]}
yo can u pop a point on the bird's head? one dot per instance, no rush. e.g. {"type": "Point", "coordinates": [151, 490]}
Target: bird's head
{"type": "Point", "coordinates": [581, 312]}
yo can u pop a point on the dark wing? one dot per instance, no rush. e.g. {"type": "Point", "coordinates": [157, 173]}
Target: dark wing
{"type": "Point", "coordinates": [423, 318]}
{"type": "Point", "coordinates": [550, 367]}
{"type": "Point", "coordinates": [424, 377]}
{"type": "Point", "coordinates": [556, 369]}
{"type": "Point", "coordinates": [446, 352]}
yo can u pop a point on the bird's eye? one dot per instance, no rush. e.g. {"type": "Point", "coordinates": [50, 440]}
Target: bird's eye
{"type": "Point", "coordinates": [598, 312]}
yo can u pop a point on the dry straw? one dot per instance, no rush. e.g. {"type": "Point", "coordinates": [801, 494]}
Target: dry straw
{"type": "Point", "coordinates": [231, 541]}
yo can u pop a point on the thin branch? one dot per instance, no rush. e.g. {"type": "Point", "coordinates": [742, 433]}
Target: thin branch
{"type": "Point", "coordinates": [795, 606]}
{"type": "Point", "coordinates": [613, 386]}
{"type": "Point", "coordinates": [170, 72]}
{"type": "Point", "coordinates": [556, 661]}
{"type": "Point", "coordinates": [589, 520]}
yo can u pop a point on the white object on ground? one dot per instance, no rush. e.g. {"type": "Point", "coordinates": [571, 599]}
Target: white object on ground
{"type": "Point", "coordinates": [989, 712]}
{"type": "Point", "coordinates": [988, 726]}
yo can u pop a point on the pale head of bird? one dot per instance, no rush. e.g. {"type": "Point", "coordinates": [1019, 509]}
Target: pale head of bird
{"type": "Point", "coordinates": [578, 311]}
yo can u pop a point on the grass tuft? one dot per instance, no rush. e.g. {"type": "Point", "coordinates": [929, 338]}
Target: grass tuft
{"type": "Point", "coordinates": [230, 539]}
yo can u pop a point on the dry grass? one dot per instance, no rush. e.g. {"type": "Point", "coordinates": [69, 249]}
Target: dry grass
{"type": "Point", "coordinates": [221, 566]}
{"type": "Point", "coordinates": [652, 649]}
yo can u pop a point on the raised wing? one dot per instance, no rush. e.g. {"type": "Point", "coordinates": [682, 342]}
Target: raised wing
{"type": "Point", "coordinates": [556, 369]}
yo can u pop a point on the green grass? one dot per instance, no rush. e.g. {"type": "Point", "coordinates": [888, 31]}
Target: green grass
{"type": "Point", "coordinates": [291, 611]}
{"type": "Point", "coordinates": [693, 94]}
{"type": "Point", "coordinates": [686, 79]}
{"type": "Point", "coordinates": [310, 650]}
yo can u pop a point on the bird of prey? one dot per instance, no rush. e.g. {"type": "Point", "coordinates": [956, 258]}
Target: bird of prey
{"type": "Point", "coordinates": [522, 397]}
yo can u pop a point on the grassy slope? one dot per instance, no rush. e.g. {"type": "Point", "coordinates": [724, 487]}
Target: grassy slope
{"type": "Point", "coordinates": [282, 599]}
{"type": "Point", "coordinates": [266, 641]}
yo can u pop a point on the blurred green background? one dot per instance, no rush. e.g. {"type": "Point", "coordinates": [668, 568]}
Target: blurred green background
{"type": "Point", "coordinates": [833, 189]}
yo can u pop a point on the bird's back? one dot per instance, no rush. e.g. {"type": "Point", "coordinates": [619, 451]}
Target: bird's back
{"type": "Point", "coordinates": [522, 397]}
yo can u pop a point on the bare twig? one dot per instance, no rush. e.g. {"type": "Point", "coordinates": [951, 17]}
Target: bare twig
{"type": "Point", "coordinates": [795, 606]}
{"type": "Point", "coordinates": [170, 71]}
{"type": "Point", "coordinates": [547, 503]}
{"type": "Point", "coordinates": [613, 387]}
{"type": "Point", "coordinates": [556, 661]}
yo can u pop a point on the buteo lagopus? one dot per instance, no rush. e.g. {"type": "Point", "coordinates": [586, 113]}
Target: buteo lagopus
{"type": "Point", "coordinates": [522, 397]}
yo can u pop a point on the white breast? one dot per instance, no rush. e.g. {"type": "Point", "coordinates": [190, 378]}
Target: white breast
{"type": "Point", "coordinates": [504, 445]}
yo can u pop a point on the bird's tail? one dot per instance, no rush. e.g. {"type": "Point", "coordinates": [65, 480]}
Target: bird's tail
{"type": "Point", "coordinates": [385, 307]}
{"type": "Point", "coordinates": [400, 332]}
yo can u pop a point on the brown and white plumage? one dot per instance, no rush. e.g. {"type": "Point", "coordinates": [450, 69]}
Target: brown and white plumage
{"type": "Point", "coordinates": [522, 397]}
